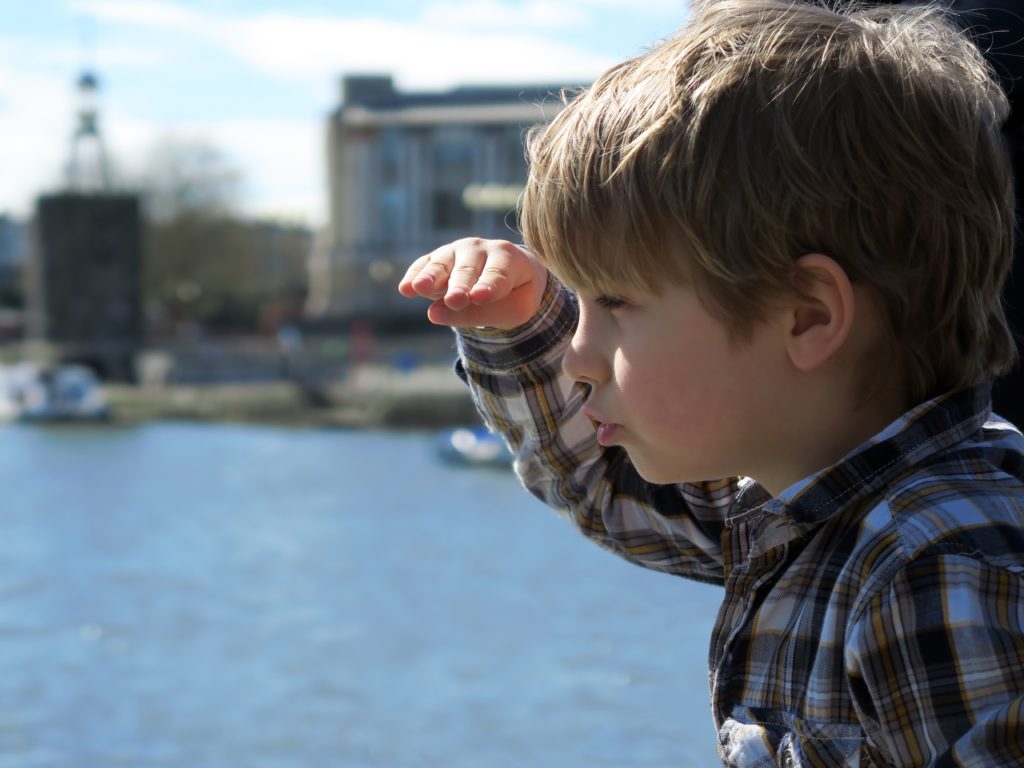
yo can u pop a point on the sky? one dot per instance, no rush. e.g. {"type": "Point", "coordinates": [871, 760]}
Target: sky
{"type": "Point", "coordinates": [256, 79]}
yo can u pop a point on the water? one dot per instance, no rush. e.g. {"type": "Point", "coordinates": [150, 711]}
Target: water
{"type": "Point", "coordinates": [187, 595]}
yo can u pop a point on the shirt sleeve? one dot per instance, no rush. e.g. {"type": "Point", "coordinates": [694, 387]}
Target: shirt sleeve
{"type": "Point", "coordinates": [518, 386]}
{"type": "Point", "coordinates": [936, 665]}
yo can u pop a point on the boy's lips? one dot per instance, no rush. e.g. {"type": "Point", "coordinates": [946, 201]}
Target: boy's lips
{"type": "Point", "coordinates": [606, 430]}
{"type": "Point", "coordinates": [606, 433]}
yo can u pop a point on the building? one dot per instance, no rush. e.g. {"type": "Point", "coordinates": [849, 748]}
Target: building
{"type": "Point", "coordinates": [408, 172]}
{"type": "Point", "coordinates": [84, 286]}
{"type": "Point", "coordinates": [13, 245]}
{"type": "Point", "coordinates": [84, 271]}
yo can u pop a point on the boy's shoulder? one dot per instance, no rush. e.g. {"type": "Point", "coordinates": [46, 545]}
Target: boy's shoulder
{"type": "Point", "coordinates": [965, 500]}
{"type": "Point", "coordinates": [945, 480]}
{"type": "Point", "coordinates": [976, 481]}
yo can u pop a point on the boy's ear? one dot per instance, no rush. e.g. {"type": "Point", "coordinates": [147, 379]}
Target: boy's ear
{"type": "Point", "coordinates": [820, 316]}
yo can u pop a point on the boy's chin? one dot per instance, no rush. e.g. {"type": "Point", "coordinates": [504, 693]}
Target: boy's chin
{"type": "Point", "coordinates": [652, 473]}
{"type": "Point", "coordinates": [659, 474]}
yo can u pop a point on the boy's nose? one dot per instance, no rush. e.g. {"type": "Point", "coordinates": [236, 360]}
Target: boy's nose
{"type": "Point", "coordinates": [583, 361]}
{"type": "Point", "coordinates": [570, 363]}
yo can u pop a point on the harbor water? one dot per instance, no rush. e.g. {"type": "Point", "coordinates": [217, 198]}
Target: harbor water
{"type": "Point", "coordinates": [237, 596]}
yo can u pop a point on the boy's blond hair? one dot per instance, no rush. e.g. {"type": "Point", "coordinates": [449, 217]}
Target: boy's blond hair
{"type": "Point", "coordinates": [762, 131]}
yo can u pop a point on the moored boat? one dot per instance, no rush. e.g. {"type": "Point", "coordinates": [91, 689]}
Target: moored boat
{"type": "Point", "coordinates": [474, 446]}
{"type": "Point", "coordinates": [60, 393]}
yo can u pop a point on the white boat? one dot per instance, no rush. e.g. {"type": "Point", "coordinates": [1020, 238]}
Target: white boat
{"type": "Point", "coordinates": [32, 392]}
{"type": "Point", "coordinates": [474, 447]}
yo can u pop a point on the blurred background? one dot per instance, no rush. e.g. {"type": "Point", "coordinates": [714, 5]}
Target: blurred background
{"type": "Point", "coordinates": [249, 516]}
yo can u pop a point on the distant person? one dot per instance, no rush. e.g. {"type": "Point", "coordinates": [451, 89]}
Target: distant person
{"type": "Point", "coordinates": [749, 341]}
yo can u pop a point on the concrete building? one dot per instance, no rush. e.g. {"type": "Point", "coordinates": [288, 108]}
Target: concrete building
{"type": "Point", "coordinates": [408, 172]}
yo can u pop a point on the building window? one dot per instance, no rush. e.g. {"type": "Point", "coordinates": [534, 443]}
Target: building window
{"type": "Point", "coordinates": [454, 148]}
{"type": "Point", "coordinates": [448, 211]}
{"type": "Point", "coordinates": [513, 153]}
{"type": "Point", "coordinates": [453, 154]}
{"type": "Point", "coordinates": [392, 197]}
{"type": "Point", "coordinates": [390, 147]}
{"type": "Point", "coordinates": [391, 209]}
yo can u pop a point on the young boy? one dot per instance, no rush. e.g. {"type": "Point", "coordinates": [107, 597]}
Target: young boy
{"type": "Point", "coordinates": [770, 250]}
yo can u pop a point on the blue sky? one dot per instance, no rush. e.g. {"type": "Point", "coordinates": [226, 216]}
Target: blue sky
{"type": "Point", "coordinates": [256, 78]}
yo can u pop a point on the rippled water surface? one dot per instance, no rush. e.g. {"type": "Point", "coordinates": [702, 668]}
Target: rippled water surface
{"type": "Point", "coordinates": [236, 597]}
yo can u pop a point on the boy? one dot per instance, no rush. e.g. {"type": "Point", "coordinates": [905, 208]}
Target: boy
{"type": "Point", "coordinates": [770, 250]}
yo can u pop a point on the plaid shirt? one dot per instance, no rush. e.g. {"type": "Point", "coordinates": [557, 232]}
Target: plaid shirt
{"type": "Point", "coordinates": [873, 612]}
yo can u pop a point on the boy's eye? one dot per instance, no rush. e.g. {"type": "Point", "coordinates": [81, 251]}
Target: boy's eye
{"type": "Point", "coordinates": [610, 302]}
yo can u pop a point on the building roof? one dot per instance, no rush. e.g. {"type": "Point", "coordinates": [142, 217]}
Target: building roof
{"type": "Point", "coordinates": [373, 99]}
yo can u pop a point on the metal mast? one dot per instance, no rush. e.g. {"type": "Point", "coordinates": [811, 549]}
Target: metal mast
{"type": "Point", "coordinates": [88, 169]}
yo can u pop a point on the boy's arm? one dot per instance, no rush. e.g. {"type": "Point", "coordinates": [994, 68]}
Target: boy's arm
{"type": "Point", "coordinates": [514, 323]}
{"type": "Point", "coordinates": [517, 382]}
{"type": "Point", "coordinates": [935, 662]}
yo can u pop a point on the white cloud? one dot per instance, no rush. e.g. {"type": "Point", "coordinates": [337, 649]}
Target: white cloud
{"type": "Point", "coordinates": [108, 57]}
{"type": "Point", "coordinates": [452, 42]}
{"type": "Point", "coordinates": [36, 114]}
{"type": "Point", "coordinates": [489, 14]}
{"type": "Point", "coordinates": [149, 13]}
{"type": "Point", "coordinates": [649, 6]}
{"type": "Point", "coordinates": [419, 56]}
{"type": "Point", "coordinates": [282, 161]}
{"type": "Point", "coordinates": [442, 44]}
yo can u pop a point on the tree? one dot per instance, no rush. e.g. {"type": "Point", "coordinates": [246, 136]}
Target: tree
{"type": "Point", "coordinates": [205, 265]}
{"type": "Point", "coordinates": [183, 176]}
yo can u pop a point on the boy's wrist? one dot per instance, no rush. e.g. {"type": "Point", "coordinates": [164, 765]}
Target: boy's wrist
{"type": "Point", "coordinates": [499, 349]}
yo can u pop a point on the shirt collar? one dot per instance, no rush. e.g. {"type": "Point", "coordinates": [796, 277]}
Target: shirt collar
{"type": "Point", "coordinates": [914, 437]}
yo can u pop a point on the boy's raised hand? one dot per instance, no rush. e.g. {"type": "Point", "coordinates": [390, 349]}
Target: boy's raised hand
{"type": "Point", "coordinates": [475, 282]}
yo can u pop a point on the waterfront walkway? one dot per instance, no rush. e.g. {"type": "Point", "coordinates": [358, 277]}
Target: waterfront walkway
{"type": "Point", "coordinates": [429, 396]}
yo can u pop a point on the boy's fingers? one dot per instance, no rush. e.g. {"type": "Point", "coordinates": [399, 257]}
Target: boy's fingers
{"type": "Point", "coordinates": [498, 277]}
{"type": "Point", "coordinates": [406, 283]}
{"type": "Point", "coordinates": [494, 282]}
{"type": "Point", "coordinates": [432, 271]}
{"type": "Point", "coordinates": [504, 314]}
{"type": "Point", "coordinates": [473, 273]}
{"type": "Point", "coordinates": [469, 263]}
{"type": "Point", "coordinates": [442, 313]}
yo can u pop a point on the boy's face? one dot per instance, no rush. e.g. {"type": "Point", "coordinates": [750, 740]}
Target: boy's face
{"type": "Point", "coordinates": [669, 384]}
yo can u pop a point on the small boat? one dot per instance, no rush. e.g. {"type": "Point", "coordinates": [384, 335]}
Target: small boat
{"type": "Point", "coordinates": [59, 393]}
{"type": "Point", "coordinates": [475, 447]}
